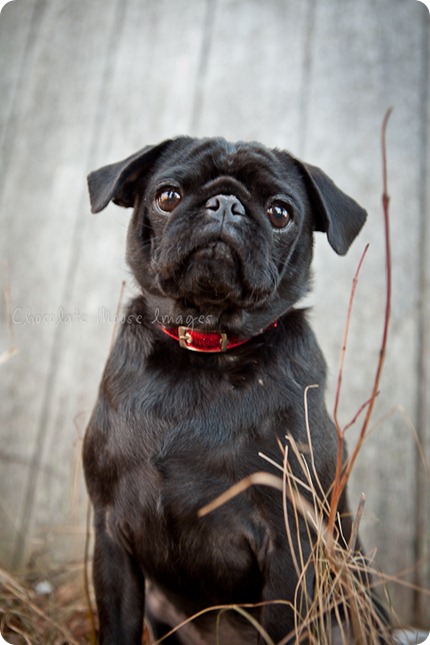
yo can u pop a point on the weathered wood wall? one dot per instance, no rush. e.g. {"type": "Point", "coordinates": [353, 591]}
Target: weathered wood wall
{"type": "Point", "coordinates": [86, 82]}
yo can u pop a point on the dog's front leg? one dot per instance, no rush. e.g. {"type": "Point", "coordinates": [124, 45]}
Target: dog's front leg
{"type": "Point", "coordinates": [120, 590]}
{"type": "Point", "coordinates": [283, 599]}
{"type": "Point", "coordinates": [277, 618]}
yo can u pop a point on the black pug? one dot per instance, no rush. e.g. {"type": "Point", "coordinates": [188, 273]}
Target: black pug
{"type": "Point", "coordinates": [209, 369]}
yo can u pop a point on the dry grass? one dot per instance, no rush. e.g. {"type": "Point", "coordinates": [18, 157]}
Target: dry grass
{"type": "Point", "coordinates": [51, 611]}
{"type": "Point", "coordinates": [48, 610]}
{"type": "Point", "coordinates": [340, 606]}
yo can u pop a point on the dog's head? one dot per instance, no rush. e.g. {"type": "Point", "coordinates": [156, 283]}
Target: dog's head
{"type": "Point", "coordinates": [223, 232]}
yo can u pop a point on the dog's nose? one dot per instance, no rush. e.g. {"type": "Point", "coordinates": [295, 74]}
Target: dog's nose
{"type": "Point", "coordinates": [225, 205]}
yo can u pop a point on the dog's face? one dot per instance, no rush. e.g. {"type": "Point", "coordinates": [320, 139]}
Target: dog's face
{"type": "Point", "coordinates": [223, 232]}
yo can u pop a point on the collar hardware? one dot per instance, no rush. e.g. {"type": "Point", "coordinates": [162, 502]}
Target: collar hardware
{"type": "Point", "coordinates": [197, 340]}
{"type": "Point", "coordinates": [203, 341]}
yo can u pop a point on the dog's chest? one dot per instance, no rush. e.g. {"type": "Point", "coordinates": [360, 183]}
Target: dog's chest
{"type": "Point", "coordinates": [177, 439]}
{"type": "Point", "coordinates": [182, 459]}
{"type": "Point", "coordinates": [178, 549]}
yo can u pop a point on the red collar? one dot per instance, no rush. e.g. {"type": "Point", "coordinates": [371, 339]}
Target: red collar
{"type": "Point", "coordinates": [198, 340]}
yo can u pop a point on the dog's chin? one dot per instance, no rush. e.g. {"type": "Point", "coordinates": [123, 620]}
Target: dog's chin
{"type": "Point", "coordinates": [202, 295]}
{"type": "Point", "coordinates": [202, 288]}
{"type": "Point", "coordinates": [208, 309]}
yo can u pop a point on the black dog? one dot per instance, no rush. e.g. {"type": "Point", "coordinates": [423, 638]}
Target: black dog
{"type": "Point", "coordinates": [220, 244]}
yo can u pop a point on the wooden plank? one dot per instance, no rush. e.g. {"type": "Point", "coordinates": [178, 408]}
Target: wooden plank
{"type": "Point", "coordinates": [252, 86]}
{"type": "Point", "coordinates": [151, 86]}
{"type": "Point", "coordinates": [356, 75]}
{"type": "Point", "coordinates": [17, 32]}
{"type": "Point", "coordinates": [16, 28]}
{"type": "Point", "coordinates": [421, 605]}
{"type": "Point", "coordinates": [46, 147]}
{"type": "Point", "coordinates": [134, 107]}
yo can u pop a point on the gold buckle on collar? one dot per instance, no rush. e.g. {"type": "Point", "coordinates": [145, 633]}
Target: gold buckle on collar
{"type": "Point", "coordinates": [186, 340]}
{"type": "Point", "coordinates": [223, 341]}
{"type": "Point", "coordinates": [184, 337]}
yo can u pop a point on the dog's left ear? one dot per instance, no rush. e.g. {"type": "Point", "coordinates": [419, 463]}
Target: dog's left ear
{"type": "Point", "coordinates": [117, 182]}
{"type": "Point", "coordinates": [336, 214]}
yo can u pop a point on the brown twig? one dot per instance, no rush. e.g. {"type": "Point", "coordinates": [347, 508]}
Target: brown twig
{"type": "Point", "coordinates": [343, 471]}
{"type": "Point", "coordinates": [86, 574]}
{"type": "Point", "coordinates": [341, 433]}
{"type": "Point", "coordinates": [8, 353]}
{"type": "Point", "coordinates": [356, 522]}
{"type": "Point", "coordinates": [262, 478]}
{"type": "Point", "coordinates": [345, 339]}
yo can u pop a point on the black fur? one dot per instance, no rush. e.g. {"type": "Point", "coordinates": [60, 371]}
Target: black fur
{"type": "Point", "coordinates": [173, 429]}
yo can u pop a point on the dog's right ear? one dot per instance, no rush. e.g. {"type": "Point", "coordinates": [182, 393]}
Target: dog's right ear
{"type": "Point", "coordinates": [117, 181]}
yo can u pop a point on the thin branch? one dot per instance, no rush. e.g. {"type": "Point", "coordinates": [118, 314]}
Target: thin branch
{"type": "Point", "coordinates": [357, 414]}
{"type": "Point", "coordinates": [386, 213]}
{"type": "Point", "coordinates": [8, 353]}
{"type": "Point", "coordinates": [345, 337]}
{"type": "Point", "coordinates": [86, 575]}
{"type": "Point", "coordinates": [343, 471]}
{"type": "Point", "coordinates": [339, 432]}
{"type": "Point", "coordinates": [356, 522]}
{"type": "Point", "coordinates": [266, 479]}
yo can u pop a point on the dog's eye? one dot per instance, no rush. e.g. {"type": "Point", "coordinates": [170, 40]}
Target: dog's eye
{"type": "Point", "coordinates": [167, 199]}
{"type": "Point", "coordinates": [279, 214]}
